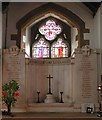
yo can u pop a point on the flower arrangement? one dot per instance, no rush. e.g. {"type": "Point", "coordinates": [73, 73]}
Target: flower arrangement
{"type": "Point", "coordinates": [10, 93]}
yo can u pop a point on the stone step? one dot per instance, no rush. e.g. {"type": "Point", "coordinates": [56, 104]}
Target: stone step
{"type": "Point", "coordinates": [51, 116]}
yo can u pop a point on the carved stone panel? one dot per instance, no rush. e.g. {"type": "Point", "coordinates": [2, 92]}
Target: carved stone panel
{"type": "Point", "coordinates": [85, 76]}
{"type": "Point", "coordinates": [14, 69]}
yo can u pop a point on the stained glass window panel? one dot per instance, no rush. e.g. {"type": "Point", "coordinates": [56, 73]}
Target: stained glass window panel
{"type": "Point", "coordinates": [50, 30]}
{"type": "Point", "coordinates": [40, 49]}
{"type": "Point", "coordinates": [59, 49]}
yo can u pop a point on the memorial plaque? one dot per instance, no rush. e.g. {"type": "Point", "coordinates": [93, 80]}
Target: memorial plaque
{"type": "Point", "coordinates": [14, 69]}
{"type": "Point", "coordinates": [87, 69]}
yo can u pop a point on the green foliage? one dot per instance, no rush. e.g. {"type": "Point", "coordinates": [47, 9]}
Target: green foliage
{"type": "Point", "coordinates": [9, 89]}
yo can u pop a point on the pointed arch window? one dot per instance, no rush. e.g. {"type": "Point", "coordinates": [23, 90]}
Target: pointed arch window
{"type": "Point", "coordinates": [59, 49]}
{"type": "Point", "coordinates": [40, 49]}
{"type": "Point", "coordinates": [50, 40]}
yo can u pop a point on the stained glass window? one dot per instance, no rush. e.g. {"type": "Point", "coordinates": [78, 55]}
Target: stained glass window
{"type": "Point", "coordinates": [59, 49]}
{"type": "Point", "coordinates": [50, 40]}
{"type": "Point", "coordinates": [50, 30]}
{"type": "Point", "coordinates": [40, 49]}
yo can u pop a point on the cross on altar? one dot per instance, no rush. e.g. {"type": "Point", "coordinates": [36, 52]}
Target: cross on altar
{"type": "Point", "coordinates": [49, 77]}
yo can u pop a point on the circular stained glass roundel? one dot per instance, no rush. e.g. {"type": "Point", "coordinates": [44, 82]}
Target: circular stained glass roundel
{"type": "Point", "coordinates": [50, 30]}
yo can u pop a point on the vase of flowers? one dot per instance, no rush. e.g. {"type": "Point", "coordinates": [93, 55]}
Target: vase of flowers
{"type": "Point", "coordinates": [9, 94]}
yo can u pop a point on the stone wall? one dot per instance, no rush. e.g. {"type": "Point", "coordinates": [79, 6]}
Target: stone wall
{"type": "Point", "coordinates": [77, 78]}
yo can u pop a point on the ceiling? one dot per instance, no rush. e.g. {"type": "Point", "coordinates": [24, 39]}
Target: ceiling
{"type": "Point", "coordinates": [93, 6]}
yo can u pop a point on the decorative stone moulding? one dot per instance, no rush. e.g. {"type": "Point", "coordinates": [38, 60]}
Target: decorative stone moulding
{"type": "Point", "coordinates": [86, 50]}
{"type": "Point", "coordinates": [5, 51]}
{"type": "Point", "coordinates": [27, 61]}
{"type": "Point", "coordinates": [72, 60]}
{"type": "Point", "coordinates": [97, 51]}
{"type": "Point", "coordinates": [14, 50]}
{"type": "Point", "coordinates": [49, 61]}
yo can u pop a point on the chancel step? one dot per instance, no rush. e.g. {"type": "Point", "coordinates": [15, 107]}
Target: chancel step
{"type": "Point", "coordinates": [51, 119]}
{"type": "Point", "coordinates": [52, 116]}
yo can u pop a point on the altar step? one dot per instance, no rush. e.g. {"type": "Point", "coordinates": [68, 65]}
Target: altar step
{"type": "Point", "coordinates": [50, 107]}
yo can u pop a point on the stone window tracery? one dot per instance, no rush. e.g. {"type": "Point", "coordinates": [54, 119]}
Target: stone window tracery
{"type": "Point", "coordinates": [51, 41]}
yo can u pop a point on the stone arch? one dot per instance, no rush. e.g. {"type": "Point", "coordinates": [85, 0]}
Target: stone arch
{"type": "Point", "coordinates": [63, 13]}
